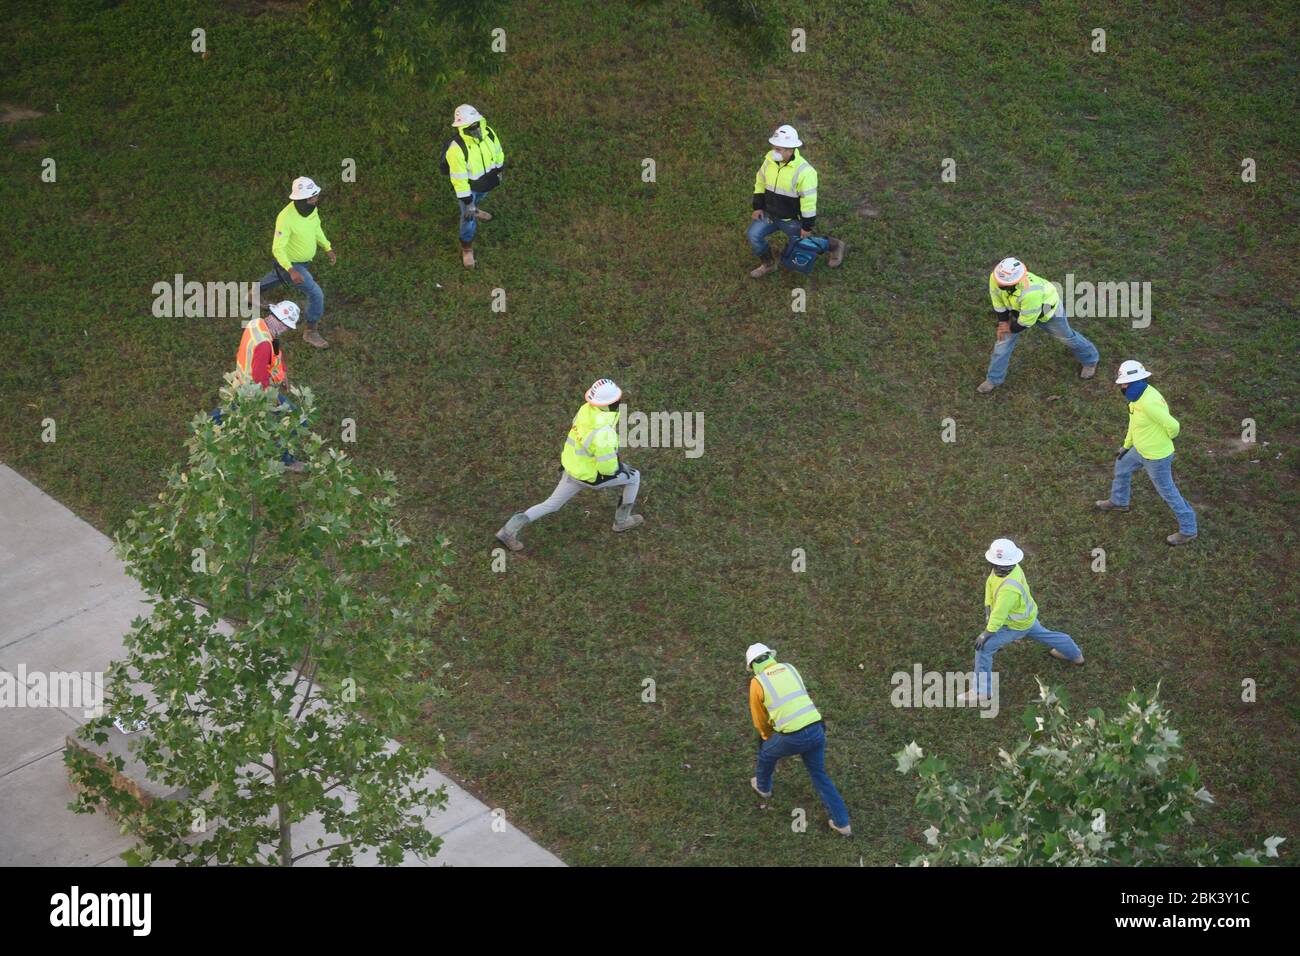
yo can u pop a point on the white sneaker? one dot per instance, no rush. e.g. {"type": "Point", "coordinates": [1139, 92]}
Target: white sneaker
{"type": "Point", "coordinates": [971, 696]}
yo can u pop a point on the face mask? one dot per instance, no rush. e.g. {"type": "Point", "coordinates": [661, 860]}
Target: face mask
{"type": "Point", "coordinates": [303, 206]}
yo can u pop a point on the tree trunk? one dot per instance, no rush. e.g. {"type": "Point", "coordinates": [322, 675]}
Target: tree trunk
{"type": "Point", "coordinates": [282, 812]}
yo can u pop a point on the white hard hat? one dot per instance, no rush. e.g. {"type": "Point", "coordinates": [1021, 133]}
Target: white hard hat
{"type": "Point", "coordinates": [1009, 272]}
{"type": "Point", "coordinates": [1004, 553]}
{"type": "Point", "coordinates": [785, 136]}
{"type": "Point", "coordinates": [466, 115]}
{"type": "Point", "coordinates": [1131, 371]}
{"type": "Point", "coordinates": [756, 651]}
{"type": "Point", "coordinates": [304, 188]}
{"type": "Point", "coordinates": [286, 312]}
{"type": "Point", "coordinates": [603, 392]}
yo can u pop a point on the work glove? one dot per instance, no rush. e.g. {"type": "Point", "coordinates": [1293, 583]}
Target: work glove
{"type": "Point", "coordinates": [467, 210]}
{"type": "Point", "coordinates": [982, 640]}
{"type": "Point", "coordinates": [1121, 453]}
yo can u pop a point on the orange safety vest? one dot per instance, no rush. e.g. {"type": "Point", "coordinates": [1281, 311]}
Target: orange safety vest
{"type": "Point", "coordinates": [255, 333]}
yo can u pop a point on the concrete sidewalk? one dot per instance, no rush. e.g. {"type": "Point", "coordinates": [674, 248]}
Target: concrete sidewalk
{"type": "Point", "coordinates": [65, 605]}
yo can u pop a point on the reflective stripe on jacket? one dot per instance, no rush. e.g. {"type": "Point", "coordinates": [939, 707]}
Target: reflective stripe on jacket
{"type": "Point", "coordinates": [591, 447]}
{"type": "Point", "coordinates": [473, 163]}
{"type": "Point", "coordinates": [789, 706]}
{"type": "Point", "coordinates": [1009, 602]}
{"type": "Point", "coordinates": [787, 190]}
{"type": "Point", "coordinates": [257, 333]}
{"type": "Point", "coordinates": [1033, 300]}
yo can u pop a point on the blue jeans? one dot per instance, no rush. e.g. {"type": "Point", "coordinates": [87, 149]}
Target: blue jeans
{"type": "Point", "coordinates": [469, 229]}
{"type": "Point", "coordinates": [283, 402]}
{"type": "Point", "coordinates": [315, 296]}
{"type": "Point", "coordinates": [760, 229]}
{"type": "Point", "coordinates": [1085, 353]}
{"type": "Point", "coordinates": [1161, 473]}
{"type": "Point", "coordinates": [984, 657]}
{"type": "Point", "coordinates": [809, 743]}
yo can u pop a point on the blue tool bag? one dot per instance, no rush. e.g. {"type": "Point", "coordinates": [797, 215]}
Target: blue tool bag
{"type": "Point", "coordinates": [801, 254]}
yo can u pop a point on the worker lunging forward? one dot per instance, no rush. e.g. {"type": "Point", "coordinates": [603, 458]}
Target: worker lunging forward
{"type": "Point", "coordinates": [1022, 300]}
{"type": "Point", "coordinates": [589, 459]}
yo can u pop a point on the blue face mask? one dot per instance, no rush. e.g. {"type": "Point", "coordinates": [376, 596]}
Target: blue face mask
{"type": "Point", "coordinates": [1133, 390]}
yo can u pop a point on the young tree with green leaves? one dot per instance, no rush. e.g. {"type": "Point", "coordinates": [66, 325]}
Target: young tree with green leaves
{"type": "Point", "coordinates": [285, 606]}
{"type": "Point", "coordinates": [1107, 790]}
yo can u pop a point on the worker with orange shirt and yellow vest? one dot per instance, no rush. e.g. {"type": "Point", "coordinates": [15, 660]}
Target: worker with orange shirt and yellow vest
{"type": "Point", "coordinates": [259, 359]}
{"type": "Point", "coordinates": [789, 723]}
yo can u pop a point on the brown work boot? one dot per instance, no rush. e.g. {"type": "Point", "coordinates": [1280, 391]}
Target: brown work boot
{"type": "Point", "coordinates": [1178, 538]}
{"type": "Point", "coordinates": [846, 830]}
{"type": "Point", "coordinates": [766, 264]}
{"type": "Point", "coordinates": [837, 252]}
{"type": "Point", "coordinates": [1087, 371]}
{"type": "Point", "coordinates": [1061, 657]}
{"type": "Point", "coordinates": [482, 216]}
{"type": "Point", "coordinates": [1109, 505]}
{"type": "Point", "coordinates": [985, 387]}
{"type": "Point", "coordinates": [312, 337]}
{"type": "Point", "coordinates": [467, 254]}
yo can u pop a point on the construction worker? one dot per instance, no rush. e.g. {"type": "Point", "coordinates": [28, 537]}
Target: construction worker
{"type": "Point", "coordinates": [589, 459]}
{"type": "Point", "coordinates": [1022, 300]}
{"type": "Point", "coordinates": [259, 359]}
{"type": "Point", "coordinates": [785, 199]}
{"type": "Point", "coordinates": [1012, 614]}
{"type": "Point", "coordinates": [1148, 444]}
{"type": "Point", "coordinates": [298, 232]}
{"type": "Point", "coordinates": [789, 724]}
{"type": "Point", "coordinates": [472, 160]}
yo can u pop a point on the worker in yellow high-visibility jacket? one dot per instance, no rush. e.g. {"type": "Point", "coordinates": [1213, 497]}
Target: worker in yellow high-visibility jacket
{"type": "Point", "coordinates": [298, 234]}
{"type": "Point", "coordinates": [589, 459]}
{"type": "Point", "coordinates": [789, 723]}
{"type": "Point", "coordinates": [1022, 300]}
{"type": "Point", "coordinates": [785, 200]}
{"type": "Point", "coordinates": [1148, 444]}
{"type": "Point", "coordinates": [472, 160]}
{"type": "Point", "coordinates": [1012, 615]}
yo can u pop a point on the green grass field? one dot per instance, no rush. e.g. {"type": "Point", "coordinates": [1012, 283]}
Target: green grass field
{"type": "Point", "coordinates": [822, 429]}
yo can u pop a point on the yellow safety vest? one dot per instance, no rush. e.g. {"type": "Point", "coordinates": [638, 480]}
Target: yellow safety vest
{"type": "Point", "coordinates": [1010, 596]}
{"type": "Point", "coordinates": [786, 699]}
